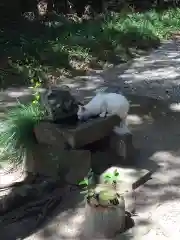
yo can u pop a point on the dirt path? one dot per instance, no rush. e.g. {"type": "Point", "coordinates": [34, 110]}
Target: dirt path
{"type": "Point", "coordinates": [156, 133]}
{"type": "Point", "coordinates": [157, 202]}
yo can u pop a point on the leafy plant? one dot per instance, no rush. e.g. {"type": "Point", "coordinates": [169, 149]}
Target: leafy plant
{"type": "Point", "coordinates": [35, 85]}
{"type": "Point", "coordinates": [107, 193]}
{"type": "Point", "coordinates": [111, 178]}
{"type": "Point", "coordinates": [87, 182]}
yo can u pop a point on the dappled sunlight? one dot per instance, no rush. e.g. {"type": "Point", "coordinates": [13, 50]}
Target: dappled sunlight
{"type": "Point", "coordinates": [75, 48]}
{"type": "Point", "coordinates": [67, 225]}
{"type": "Point", "coordinates": [12, 97]}
{"type": "Point", "coordinates": [84, 87]}
{"type": "Point", "coordinates": [156, 75]}
{"type": "Point", "coordinates": [150, 71]}
{"type": "Point", "coordinates": [175, 107]}
{"type": "Point", "coordinates": [164, 185]}
{"type": "Point", "coordinates": [158, 141]}
{"type": "Point", "coordinates": [18, 93]}
{"type": "Point", "coordinates": [161, 73]}
{"type": "Point", "coordinates": [162, 155]}
{"type": "Point", "coordinates": [134, 120]}
{"type": "Point", "coordinates": [95, 79]}
{"type": "Point", "coordinates": [9, 175]}
{"type": "Point", "coordinates": [90, 82]}
{"type": "Point", "coordinates": [73, 226]}
{"type": "Point", "coordinates": [89, 86]}
{"type": "Point", "coordinates": [6, 105]}
{"type": "Point", "coordinates": [168, 162]}
{"type": "Point", "coordinates": [168, 217]}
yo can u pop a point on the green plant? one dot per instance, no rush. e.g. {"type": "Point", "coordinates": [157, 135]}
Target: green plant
{"type": "Point", "coordinates": [87, 182]}
{"type": "Point", "coordinates": [107, 193]}
{"type": "Point", "coordinates": [35, 85]}
{"type": "Point", "coordinates": [111, 178]}
{"type": "Point", "coordinates": [17, 131]}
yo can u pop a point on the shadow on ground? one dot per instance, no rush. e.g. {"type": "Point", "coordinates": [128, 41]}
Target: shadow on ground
{"type": "Point", "coordinates": [155, 127]}
{"type": "Point", "coordinates": [156, 75]}
{"type": "Point", "coordinates": [158, 139]}
{"type": "Point", "coordinates": [155, 130]}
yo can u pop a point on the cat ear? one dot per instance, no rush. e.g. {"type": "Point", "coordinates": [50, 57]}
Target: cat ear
{"type": "Point", "coordinates": [82, 108]}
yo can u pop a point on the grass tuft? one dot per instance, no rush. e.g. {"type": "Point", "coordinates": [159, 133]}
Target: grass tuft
{"type": "Point", "coordinates": [17, 132]}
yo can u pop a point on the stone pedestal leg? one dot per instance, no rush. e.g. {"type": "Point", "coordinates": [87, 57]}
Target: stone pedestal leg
{"type": "Point", "coordinates": [122, 145]}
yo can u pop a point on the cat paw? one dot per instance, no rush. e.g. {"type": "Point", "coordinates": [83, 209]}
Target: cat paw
{"type": "Point", "coordinates": [102, 115]}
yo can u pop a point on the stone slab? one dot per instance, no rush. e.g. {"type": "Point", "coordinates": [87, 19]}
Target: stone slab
{"type": "Point", "coordinates": [122, 145]}
{"type": "Point", "coordinates": [76, 136]}
{"type": "Point", "coordinates": [49, 133]}
{"type": "Point", "coordinates": [134, 177]}
{"type": "Point", "coordinates": [91, 131]}
{"type": "Point", "coordinates": [50, 161]}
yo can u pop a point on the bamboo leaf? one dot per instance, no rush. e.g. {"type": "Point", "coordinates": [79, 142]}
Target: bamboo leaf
{"type": "Point", "coordinates": [107, 176]}
{"type": "Point", "coordinates": [116, 173]}
{"type": "Point", "coordinates": [84, 182]}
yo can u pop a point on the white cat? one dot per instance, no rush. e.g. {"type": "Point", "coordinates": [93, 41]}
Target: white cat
{"type": "Point", "coordinates": [106, 104]}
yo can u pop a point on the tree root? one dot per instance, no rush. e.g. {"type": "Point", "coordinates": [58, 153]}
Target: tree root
{"type": "Point", "coordinates": [40, 208]}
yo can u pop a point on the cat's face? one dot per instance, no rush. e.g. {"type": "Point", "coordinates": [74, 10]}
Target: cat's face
{"type": "Point", "coordinates": [83, 113]}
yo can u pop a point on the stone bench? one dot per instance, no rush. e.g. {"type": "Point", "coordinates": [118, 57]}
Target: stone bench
{"type": "Point", "coordinates": [95, 136]}
{"type": "Point", "coordinates": [76, 136]}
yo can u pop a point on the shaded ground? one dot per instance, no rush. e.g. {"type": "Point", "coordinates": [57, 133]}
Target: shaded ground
{"type": "Point", "coordinates": [158, 138]}
{"type": "Point", "coordinates": [156, 132]}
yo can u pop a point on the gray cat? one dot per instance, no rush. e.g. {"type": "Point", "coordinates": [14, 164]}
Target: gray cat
{"type": "Point", "coordinates": [59, 104]}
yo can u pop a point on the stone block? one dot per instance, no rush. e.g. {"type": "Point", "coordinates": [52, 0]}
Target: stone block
{"type": "Point", "coordinates": [75, 136]}
{"type": "Point", "coordinates": [102, 160]}
{"type": "Point", "coordinates": [122, 145]}
{"type": "Point", "coordinates": [71, 166]}
{"type": "Point", "coordinates": [91, 131]}
{"type": "Point", "coordinates": [132, 176]}
{"type": "Point", "coordinates": [43, 161]}
{"type": "Point", "coordinates": [49, 133]}
{"type": "Point", "coordinates": [78, 166]}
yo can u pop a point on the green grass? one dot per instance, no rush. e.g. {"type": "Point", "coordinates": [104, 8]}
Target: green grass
{"type": "Point", "coordinates": [17, 132]}
{"type": "Point", "coordinates": [39, 51]}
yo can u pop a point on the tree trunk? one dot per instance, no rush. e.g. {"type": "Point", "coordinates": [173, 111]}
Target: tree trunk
{"type": "Point", "coordinates": [103, 222]}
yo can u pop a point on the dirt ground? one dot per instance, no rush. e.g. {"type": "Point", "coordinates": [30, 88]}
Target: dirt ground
{"type": "Point", "coordinates": [156, 133]}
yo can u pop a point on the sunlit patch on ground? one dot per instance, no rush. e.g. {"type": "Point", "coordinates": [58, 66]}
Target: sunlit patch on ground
{"type": "Point", "coordinates": [175, 107]}
{"type": "Point", "coordinates": [134, 119]}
